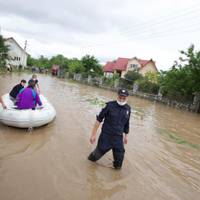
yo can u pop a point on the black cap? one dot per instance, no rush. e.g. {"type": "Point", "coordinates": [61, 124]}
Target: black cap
{"type": "Point", "coordinates": [123, 92]}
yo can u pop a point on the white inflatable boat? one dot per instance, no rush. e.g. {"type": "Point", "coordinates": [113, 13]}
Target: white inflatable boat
{"type": "Point", "coordinates": [26, 118]}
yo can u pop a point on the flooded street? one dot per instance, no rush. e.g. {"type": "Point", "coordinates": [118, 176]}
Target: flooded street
{"type": "Point", "coordinates": [162, 159]}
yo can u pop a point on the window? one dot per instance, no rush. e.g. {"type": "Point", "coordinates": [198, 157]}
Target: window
{"type": "Point", "coordinates": [134, 66]}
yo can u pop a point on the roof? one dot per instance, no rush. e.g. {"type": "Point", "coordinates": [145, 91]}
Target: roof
{"type": "Point", "coordinates": [121, 64]}
{"type": "Point", "coordinates": [108, 67]}
{"type": "Point", "coordinates": [11, 38]}
{"type": "Point", "coordinates": [143, 62]}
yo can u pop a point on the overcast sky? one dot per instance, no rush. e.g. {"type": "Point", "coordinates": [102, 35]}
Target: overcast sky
{"type": "Point", "coordinates": [107, 29]}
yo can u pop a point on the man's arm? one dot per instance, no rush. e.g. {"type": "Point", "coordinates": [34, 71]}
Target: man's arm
{"type": "Point", "coordinates": [3, 105]}
{"type": "Point", "coordinates": [38, 101]}
{"type": "Point", "coordinates": [94, 132]}
{"type": "Point", "coordinates": [99, 119]}
{"type": "Point", "coordinates": [126, 129]}
{"type": "Point", "coordinates": [38, 88]}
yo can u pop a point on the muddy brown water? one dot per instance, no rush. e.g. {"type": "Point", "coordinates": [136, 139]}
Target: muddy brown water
{"type": "Point", "coordinates": [162, 159]}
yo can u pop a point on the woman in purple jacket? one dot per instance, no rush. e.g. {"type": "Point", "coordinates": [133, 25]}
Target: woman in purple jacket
{"type": "Point", "coordinates": [28, 98]}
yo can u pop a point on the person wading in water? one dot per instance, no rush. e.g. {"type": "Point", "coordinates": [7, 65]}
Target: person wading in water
{"type": "Point", "coordinates": [115, 128]}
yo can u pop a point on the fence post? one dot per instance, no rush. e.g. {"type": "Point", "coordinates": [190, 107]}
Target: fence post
{"type": "Point", "coordinates": [135, 87]}
{"type": "Point", "coordinates": [159, 95]}
{"type": "Point", "coordinates": [89, 80]}
{"type": "Point", "coordinates": [116, 83]}
{"type": "Point", "coordinates": [196, 102]}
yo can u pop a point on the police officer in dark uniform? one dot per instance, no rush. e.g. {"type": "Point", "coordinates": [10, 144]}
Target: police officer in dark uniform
{"type": "Point", "coordinates": [116, 115]}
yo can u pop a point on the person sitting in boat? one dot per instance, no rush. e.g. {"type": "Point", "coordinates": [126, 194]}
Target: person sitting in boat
{"type": "Point", "coordinates": [34, 78]}
{"type": "Point", "coordinates": [3, 104]}
{"type": "Point", "coordinates": [28, 98]}
{"type": "Point", "coordinates": [16, 89]}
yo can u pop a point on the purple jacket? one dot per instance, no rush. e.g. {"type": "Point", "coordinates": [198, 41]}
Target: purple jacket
{"type": "Point", "coordinates": [28, 99]}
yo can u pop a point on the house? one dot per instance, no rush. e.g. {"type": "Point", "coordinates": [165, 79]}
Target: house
{"type": "Point", "coordinates": [17, 56]}
{"type": "Point", "coordinates": [123, 65]}
{"type": "Point", "coordinates": [109, 69]}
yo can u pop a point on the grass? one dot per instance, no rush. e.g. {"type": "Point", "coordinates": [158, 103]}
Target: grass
{"type": "Point", "coordinates": [177, 139]}
{"type": "Point", "coordinates": [2, 70]}
{"type": "Point", "coordinates": [96, 101]}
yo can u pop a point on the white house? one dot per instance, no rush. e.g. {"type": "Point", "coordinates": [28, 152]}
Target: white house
{"type": "Point", "coordinates": [16, 54]}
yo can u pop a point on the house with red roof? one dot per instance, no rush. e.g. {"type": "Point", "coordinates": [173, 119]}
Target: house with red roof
{"type": "Point", "coordinates": [123, 65]}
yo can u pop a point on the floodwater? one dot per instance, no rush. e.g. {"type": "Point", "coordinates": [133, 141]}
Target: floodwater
{"type": "Point", "coordinates": [162, 159]}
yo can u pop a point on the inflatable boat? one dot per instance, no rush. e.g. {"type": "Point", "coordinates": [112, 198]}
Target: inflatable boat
{"type": "Point", "coordinates": [26, 118]}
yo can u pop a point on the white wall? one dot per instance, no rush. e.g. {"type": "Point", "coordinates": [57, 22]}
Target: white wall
{"type": "Point", "coordinates": [16, 54]}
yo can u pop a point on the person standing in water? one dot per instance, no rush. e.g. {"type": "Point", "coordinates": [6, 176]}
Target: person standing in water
{"type": "Point", "coordinates": [115, 129]}
{"type": "Point", "coordinates": [34, 78]}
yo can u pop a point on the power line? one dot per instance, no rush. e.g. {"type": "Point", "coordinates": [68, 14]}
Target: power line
{"type": "Point", "coordinates": [114, 44]}
{"type": "Point", "coordinates": [156, 34]}
{"type": "Point", "coordinates": [165, 19]}
{"type": "Point", "coordinates": [140, 30]}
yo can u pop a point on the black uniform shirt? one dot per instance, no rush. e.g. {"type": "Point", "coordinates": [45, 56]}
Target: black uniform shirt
{"type": "Point", "coordinates": [15, 91]}
{"type": "Point", "coordinates": [116, 118]}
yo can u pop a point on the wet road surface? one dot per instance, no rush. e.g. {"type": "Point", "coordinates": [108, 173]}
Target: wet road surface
{"type": "Point", "coordinates": [162, 159]}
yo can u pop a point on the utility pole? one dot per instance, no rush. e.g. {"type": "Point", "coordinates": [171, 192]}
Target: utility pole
{"type": "Point", "coordinates": [25, 45]}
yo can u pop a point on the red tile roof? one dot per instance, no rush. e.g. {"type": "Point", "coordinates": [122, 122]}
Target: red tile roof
{"type": "Point", "coordinates": [121, 64]}
{"type": "Point", "coordinates": [143, 62]}
{"type": "Point", "coordinates": [109, 67]}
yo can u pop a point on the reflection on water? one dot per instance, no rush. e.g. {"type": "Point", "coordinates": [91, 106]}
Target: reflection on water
{"type": "Point", "coordinates": [162, 158]}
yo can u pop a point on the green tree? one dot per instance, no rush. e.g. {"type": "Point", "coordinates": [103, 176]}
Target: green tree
{"type": "Point", "coordinates": [43, 62]}
{"type": "Point", "coordinates": [31, 61]}
{"type": "Point", "coordinates": [75, 66]}
{"type": "Point", "coordinates": [132, 76]}
{"type": "Point", "coordinates": [3, 52]}
{"type": "Point", "coordinates": [91, 65]}
{"type": "Point", "coordinates": [191, 64]}
{"type": "Point", "coordinates": [183, 79]}
{"type": "Point", "coordinates": [59, 60]}
{"type": "Point", "coordinates": [148, 86]}
{"type": "Point", "coordinates": [152, 77]}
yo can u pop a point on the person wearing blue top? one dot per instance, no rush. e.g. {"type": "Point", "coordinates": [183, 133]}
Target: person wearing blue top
{"type": "Point", "coordinates": [115, 128]}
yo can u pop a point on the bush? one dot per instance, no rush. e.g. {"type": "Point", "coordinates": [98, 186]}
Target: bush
{"type": "Point", "coordinates": [148, 86]}
{"type": "Point", "coordinates": [132, 76]}
{"type": "Point", "coordinates": [124, 83]}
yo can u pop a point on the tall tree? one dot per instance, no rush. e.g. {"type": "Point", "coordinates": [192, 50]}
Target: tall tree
{"type": "Point", "coordinates": [183, 80]}
{"type": "Point", "coordinates": [91, 65]}
{"type": "Point", "coordinates": [3, 52]}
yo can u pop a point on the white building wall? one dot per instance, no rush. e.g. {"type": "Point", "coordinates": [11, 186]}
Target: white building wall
{"type": "Point", "coordinates": [17, 56]}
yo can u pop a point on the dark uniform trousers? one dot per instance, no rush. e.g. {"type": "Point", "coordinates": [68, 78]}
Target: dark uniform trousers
{"type": "Point", "coordinates": [107, 142]}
